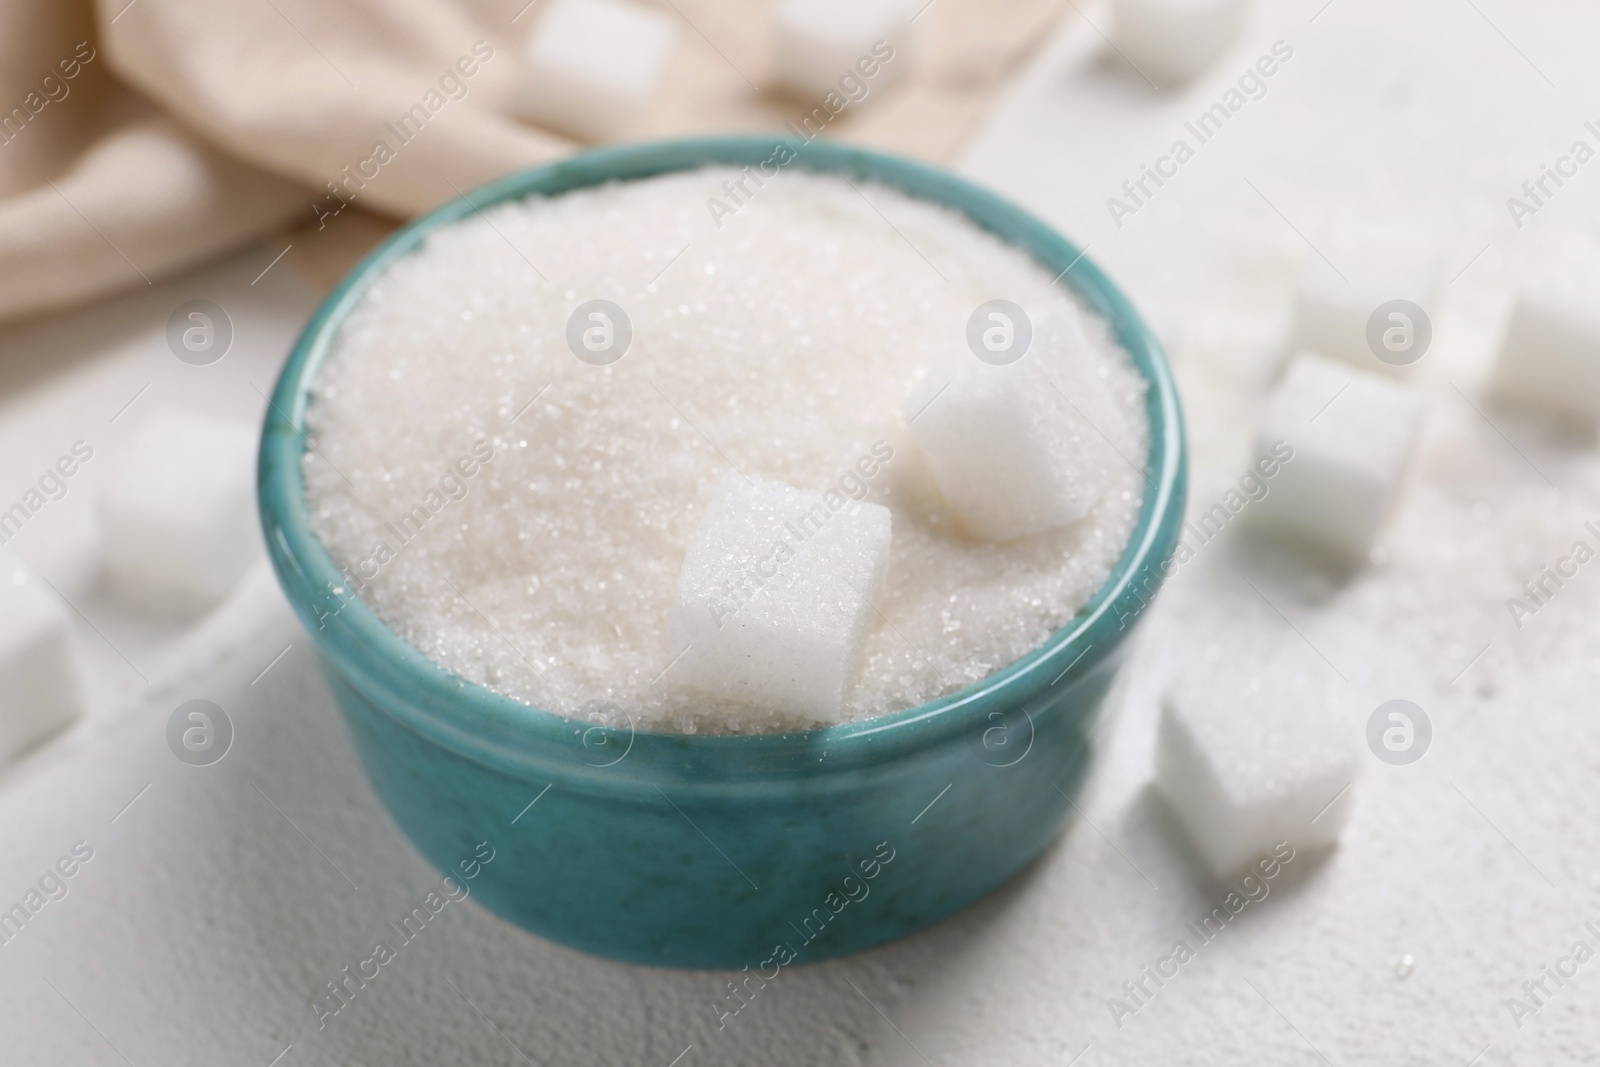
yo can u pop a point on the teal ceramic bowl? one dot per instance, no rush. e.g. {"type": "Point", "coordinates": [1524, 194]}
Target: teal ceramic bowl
{"type": "Point", "coordinates": [723, 851]}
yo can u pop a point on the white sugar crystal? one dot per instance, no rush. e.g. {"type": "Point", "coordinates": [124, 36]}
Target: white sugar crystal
{"type": "Point", "coordinates": [1170, 41]}
{"type": "Point", "coordinates": [1550, 357]}
{"type": "Point", "coordinates": [1251, 753]}
{"type": "Point", "coordinates": [1012, 453]}
{"type": "Point", "coordinates": [841, 46]}
{"type": "Point", "coordinates": [1344, 439]}
{"type": "Point", "coordinates": [591, 66]}
{"type": "Point", "coordinates": [1371, 263]}
{"type": "Point", "coordinates": [177, 514]}
{"type": "Point", "coordinates": [41, 690]}
{"type": "Point", "coordinates": [775, 596]}
{"type": "Point", "coordinates": [780, 343]}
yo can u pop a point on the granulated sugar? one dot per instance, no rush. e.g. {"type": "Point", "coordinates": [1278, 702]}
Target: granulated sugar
{"type": "Point", "coordinates": [557, 497]}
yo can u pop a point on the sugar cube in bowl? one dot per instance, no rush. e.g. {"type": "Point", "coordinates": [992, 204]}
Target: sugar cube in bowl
{"type": "Point", "coordinates": [775, 595]}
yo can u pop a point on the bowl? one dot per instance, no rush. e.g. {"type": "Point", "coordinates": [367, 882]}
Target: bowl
{"type": "Point", "coordinates": [758, 851]}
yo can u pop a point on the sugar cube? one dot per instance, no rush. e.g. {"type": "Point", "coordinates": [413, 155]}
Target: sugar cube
{"type": "Point", "coordinates": [1550, 356]}
{"type": "Point", "coordinates": [41, 689]}
{"type": "Point", "coordinates": [834, 46]}
{"type": "Point", "coordinates": [1251, 753]}
{"type": "Point", "coordinates": [591, 66]}
{"type": "Point", "coordinates": [1011, 453]}
{"type": "Point", "coordinates": [1170, 41]}
{"type": "Point", "coordinates": [1352, 313]}
{"type": "Point", "coordinates": [177, 514]}
{"type": "Point", "coordinates": [1342, 439]}
{"type": "Point", "coordinates": [775, 596]}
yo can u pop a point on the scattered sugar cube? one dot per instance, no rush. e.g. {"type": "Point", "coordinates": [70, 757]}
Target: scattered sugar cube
{"type": "Point", "coordinates": [1332, 313]}
{"type": "Point", "coordinates": [1170, 41]}
{"type": "Point", "coordinates": [852, 48]}
{"type": "Point", "coordinates": [1550, 356]}
{"type": "Point", "coordinates": [1010, 452]}
{"type": "Point", "coordinates": [591, 66]}
{"type": "Point", "coordinates": [1342, 438]}
{"type": "Point", "coordinates": [41, 689]}
{"type": "Point", "coordinates": [1253, 753]}
{"type": "Point", "coordinates": [775, 596]}
{"type": "Point", "coordinates": [177, 515]}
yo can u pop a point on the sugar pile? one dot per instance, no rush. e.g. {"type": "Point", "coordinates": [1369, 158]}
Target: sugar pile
{"type": "Point", "coordinates": [521, 515]}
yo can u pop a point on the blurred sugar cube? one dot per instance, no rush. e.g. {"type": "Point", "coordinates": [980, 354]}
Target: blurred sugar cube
{"type": "Point", "coordinates": [591, 66]}
{"type": "Point", "coordinates": [1343, 439]}
{"type": "Point", "coordinates": [1170, 41]}
{"type": "Point", "coordinates": [848, 47]}
{"type": "Point", "coordinates": [1549, 359]}
{"type": "Point", "coordinates": [1010, 452]}
{"type": "Point", "coordinates": [775, 596]}
{"type": "Point", "coordinates": [177, 514]}
{"type": "Point", "coordinates": [1358, 310]}
{"type": "Point", "coordinates": [41, 688]}
{"type": "Point", "coordinates": [1253, 753]}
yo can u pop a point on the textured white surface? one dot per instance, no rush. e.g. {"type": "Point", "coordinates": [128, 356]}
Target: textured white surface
{"type": "Point", "coordinates": [1352, 434]}
{"type": "Point", "coordinates": [775, 596]}
{"type": "Point", "coordinates": [205, 921]}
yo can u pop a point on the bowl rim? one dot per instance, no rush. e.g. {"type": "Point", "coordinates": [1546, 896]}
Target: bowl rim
{"type": "Point", "coordinates": [499, 730]}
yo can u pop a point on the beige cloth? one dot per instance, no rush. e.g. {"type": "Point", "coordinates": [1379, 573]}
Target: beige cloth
{"type": "Point", "coordinates": [139, 138]}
